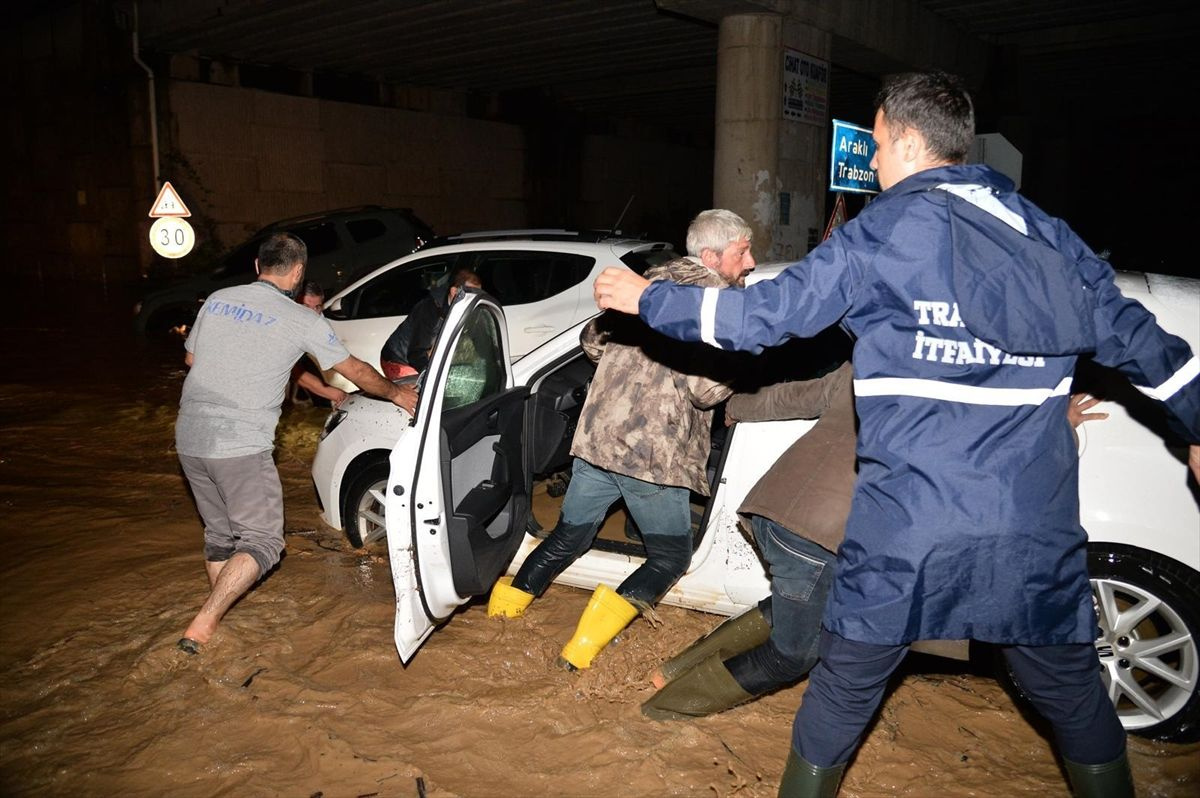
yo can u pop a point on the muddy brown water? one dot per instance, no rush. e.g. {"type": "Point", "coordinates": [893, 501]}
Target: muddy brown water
{"type": "Point", "coordinates": [301, 693]}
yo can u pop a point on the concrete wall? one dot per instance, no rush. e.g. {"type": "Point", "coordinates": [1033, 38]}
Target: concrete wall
{"type": "Point", "coordinates": [243, 158]}
{"type": "Point", "coordinates": [73, 121]}
{"type": "Point", "coordinates": [256, 156]}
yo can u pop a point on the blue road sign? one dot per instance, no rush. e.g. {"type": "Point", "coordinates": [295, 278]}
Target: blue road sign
{"type": "Point", "coordinates": [850, 161]}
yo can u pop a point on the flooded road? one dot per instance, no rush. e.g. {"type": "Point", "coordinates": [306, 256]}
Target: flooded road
{"type": "Point", "coordinates": [301, 692]}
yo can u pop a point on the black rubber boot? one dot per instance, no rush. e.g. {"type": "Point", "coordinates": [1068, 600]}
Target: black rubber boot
{"type": "Point", "coordinates": [731, 638]}
{"type": "Point", "coordinates": [704, 690]}
{"type": "Point", "coordinates": [552, 556]}
{"type": "Point", "coordinates": [803, 779]}
{"type": "Point", "coordinates": [1108, 780]}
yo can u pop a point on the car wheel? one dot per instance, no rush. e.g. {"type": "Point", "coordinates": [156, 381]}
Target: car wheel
{"type": "Point", "coordinates": [362, 504]}
{"type": "Point", "coordinates": [1148, 609]}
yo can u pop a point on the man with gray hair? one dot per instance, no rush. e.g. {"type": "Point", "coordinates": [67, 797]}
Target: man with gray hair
{"type": "Point", "coordinates": [643, 436]}
{"type": "Point", "coordinates": [240, 354]}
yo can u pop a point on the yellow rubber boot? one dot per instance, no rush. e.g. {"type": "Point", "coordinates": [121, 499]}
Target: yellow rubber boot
{"type": "Point", "coordinates": [507, 600]}
{"type": "Point", "coordinates": [606, 614]}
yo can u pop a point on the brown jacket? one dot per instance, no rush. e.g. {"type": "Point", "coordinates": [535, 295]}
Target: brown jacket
{"type": "Point", "coordinates": [648, 413]}
{"type": "Point", "coordinates": [809, 488]}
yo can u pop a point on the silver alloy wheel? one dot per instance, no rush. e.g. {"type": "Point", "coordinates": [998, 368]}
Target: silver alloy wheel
{"type": "Point", "coordinates": [1149, 657]}
{"type": "Point", "coordinates": [368, 515]}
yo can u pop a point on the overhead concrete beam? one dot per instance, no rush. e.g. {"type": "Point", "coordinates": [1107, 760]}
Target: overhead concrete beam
{"type": "Point", "coordinates": [716, 10]}
{"type": "Point", "coordinates": [870, 36]}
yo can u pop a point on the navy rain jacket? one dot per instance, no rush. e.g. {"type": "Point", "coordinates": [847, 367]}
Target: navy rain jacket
{"type": "Point", "coordinates": [969, 306]}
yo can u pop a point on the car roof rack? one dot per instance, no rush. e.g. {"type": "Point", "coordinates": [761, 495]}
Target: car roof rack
{"type": "Point", "coordinates": [539, 234]}
{"type": "Point", "coordinates": [308, 217]}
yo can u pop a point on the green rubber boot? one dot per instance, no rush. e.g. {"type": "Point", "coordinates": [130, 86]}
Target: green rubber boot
{"type": "Point", "coordinates": [1109, 780]}
{"type": "Point", "coordinates": [731, 638]}
{"type": "Point", "coordinates": [803, 779]}
{"type": "Point", "coordinates": [706, 689]}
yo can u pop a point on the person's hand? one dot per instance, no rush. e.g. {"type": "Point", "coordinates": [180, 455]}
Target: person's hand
{"type": "Point", "coordinates": [337, 396]}
{"type": "Point", "coordinates": [1194, 461]}
{"type": "Point", "coordinates": [1077, 407]}
{"type": "Point", "coordinates": [619, 289]}
{"type": "Point", "coordinates": [405, 398]}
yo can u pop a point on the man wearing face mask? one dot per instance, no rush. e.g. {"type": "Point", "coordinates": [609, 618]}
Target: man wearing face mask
{"type": "Point", "coordinates": [643, 436]}
{"type": "Point", "coordinates": [240, 354]}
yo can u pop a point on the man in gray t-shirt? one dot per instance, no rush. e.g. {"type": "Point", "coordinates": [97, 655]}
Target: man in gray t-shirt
{"type": "Point", "coordinates": [241, 352]}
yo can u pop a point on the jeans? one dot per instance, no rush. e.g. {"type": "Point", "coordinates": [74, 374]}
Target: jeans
{"type": "Point", "coordinates": [847, 686]}
{"type": "Point", "coordinates": [801, 575]}
{"type": "Point", "coordinates": [662, 512]}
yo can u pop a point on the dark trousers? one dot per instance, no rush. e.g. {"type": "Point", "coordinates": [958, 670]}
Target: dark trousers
{"type": "Point", "coordinates": [662, 513]}
{"type": "Point", "coordinates": [801, 574]}
{"type": "Point", "coordinates": [848, 684]}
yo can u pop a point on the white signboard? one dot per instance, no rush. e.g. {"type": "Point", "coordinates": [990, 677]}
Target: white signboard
{"type": "Point", "coordinates": [172, 236]}
{"type": "Point", "coordinates": [805, 88]}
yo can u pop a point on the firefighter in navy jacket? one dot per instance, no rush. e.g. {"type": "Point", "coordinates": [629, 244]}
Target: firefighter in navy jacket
{"type": "Point", "coordinates": [969, 306]}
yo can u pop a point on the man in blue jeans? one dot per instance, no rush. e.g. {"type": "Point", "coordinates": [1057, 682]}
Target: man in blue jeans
{"type": "Point", "coordinates": [797, 513]}
{"type": "Point", "coordinates": [643, 436]}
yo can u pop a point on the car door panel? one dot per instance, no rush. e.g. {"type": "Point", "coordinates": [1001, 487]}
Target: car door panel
{"type": "Point", "coordinates": [484, 477]}
{"type": "Point", "coordinates": [458, 498]}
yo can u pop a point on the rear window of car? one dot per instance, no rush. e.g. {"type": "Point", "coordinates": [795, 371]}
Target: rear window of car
{"type": "Point", "coordinates": [643, 259]}
{"type": "Point", "coordinates": [366, 229]}
{"type": "Point", "coordinates": [321, 239]}
{"type": "Point", "coordinates": [518, 277]}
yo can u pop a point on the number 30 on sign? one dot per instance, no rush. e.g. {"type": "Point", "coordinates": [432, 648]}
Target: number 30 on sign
{"type": "Point", "coordinates": [172, 237]}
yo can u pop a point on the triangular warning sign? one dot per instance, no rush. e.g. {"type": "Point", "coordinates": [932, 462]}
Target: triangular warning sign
{"type": "Point", "coordinates": [837, 218]}
{"type": "Point", "coordinates": [169, 203]}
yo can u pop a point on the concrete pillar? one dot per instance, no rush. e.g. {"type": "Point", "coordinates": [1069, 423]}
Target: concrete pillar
{"type": "Point", "coordinates": [758, 154]}
{"type": "Point", "coordinates": [803, 158]}
{"type": "Point", "coordinates": [749, 99]}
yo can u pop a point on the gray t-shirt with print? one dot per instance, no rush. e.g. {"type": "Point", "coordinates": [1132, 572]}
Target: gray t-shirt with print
{"type": "Point", "coordinates": [244, 344]}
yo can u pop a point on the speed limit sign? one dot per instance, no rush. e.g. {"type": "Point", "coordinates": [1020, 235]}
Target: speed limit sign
{"type": "Point", "coordinates": [172, 237]}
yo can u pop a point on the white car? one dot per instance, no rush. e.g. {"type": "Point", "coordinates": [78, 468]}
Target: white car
{"type": "Point", "coordinates": [542, 277]}
{"type": "Point", "coordinates": [488, 437]}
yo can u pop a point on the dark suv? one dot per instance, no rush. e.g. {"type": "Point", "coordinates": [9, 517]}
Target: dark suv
{"type": "Point", "coordinates": [342, 245]}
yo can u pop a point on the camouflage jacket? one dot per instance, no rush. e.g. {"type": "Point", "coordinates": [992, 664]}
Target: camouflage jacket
{"type": "Point", "coordinates": [648, 414]}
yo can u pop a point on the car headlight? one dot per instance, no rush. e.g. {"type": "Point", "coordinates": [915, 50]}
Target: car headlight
{"type": "Point", "coordinates": [332, 422]}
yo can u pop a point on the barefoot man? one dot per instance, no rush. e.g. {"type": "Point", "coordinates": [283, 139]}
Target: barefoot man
{"type": "Point", "coordinates": [240, 354]}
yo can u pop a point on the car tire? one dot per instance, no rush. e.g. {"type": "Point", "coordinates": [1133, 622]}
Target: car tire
{"type": "Point", "coordinates": [1148, 608]}
{"type": "Point", "coordinates": [1149, 644]}
{"type": "Point", "coordinates": [362, 504]}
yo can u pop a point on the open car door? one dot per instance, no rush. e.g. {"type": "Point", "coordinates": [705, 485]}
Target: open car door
{"type": "Point", "coordinates": [458, 492]}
